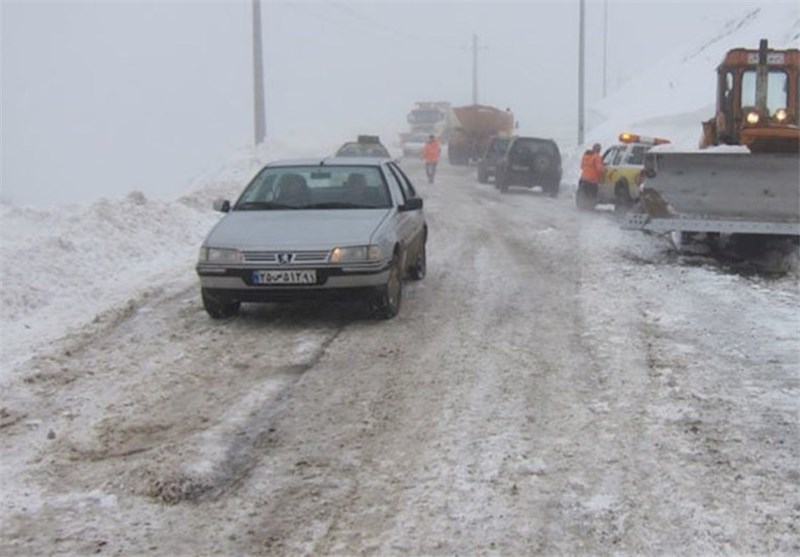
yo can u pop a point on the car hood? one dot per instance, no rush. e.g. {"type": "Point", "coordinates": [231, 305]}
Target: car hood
{"type": "Point", "coordinates": [311, 229]}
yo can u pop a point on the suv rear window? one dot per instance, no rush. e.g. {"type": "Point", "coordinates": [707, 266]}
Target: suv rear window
{"type": "Point", "coordinates": [532, 147]}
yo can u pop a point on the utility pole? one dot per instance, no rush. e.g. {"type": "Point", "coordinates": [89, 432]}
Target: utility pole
{"type": "Point", "coordinates": [474, 69]}
{"type": "Point", "coordinates": [605, 43]}
{"type": "Point", "coordinates": [258, 77]}
{"type": "Point", "coordinates": [580, 71]}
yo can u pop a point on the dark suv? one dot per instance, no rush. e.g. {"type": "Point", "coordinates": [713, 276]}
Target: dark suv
{"type": "Point", "coordinates": [487, 164]}
{"type": "Point", "coordinates": [530, 162]}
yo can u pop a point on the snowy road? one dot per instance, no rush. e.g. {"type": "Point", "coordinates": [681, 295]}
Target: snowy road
{"type": "Point", "coordinates": [554, 386]}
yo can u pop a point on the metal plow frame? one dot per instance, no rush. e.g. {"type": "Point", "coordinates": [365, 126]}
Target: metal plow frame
{"type": "Point", "coordinates": [643, 221]}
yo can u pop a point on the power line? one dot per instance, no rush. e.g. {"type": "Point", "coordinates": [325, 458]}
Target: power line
{"type": "Point", "coordinates": [394, 30]}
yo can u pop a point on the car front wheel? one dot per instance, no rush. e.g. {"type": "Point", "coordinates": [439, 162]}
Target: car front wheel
{"type": "Point", "coordinates": [420, 268]}
{"type": "Point", "coordinates": [218, 307]}
{"type": "Point", "coordinates": [386, 303]}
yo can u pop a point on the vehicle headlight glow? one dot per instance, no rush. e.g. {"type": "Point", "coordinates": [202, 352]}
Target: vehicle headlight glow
{"type": "Point", "coordinates": [220, 255]}
{"type": "Point", "coordinates": [752, 117]}
{"type": "Point", "coordinates": [781, 115]}
{"type": "Point", "coordinates": [355, 254]}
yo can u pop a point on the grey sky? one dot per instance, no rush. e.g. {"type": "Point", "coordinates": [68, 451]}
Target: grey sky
{"type": "Point", "coordinates": [101, 98]}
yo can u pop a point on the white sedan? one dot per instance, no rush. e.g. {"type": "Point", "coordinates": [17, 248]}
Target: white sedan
{"type": "Point", "coordinates": [334, 228]}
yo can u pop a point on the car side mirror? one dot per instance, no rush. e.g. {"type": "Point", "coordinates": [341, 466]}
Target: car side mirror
{"type": "Point", "coordinates": [222, 205]}
{"type": "Point", "coordinates": [412, 204]}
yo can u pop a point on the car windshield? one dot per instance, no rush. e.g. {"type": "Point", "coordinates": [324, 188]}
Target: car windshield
{"type": "Point", "coordinates": [425, 116]}
{"type": "Point", "coordinates": [315, 187]}
{"type": "Point", "coordinates": [362, 150]}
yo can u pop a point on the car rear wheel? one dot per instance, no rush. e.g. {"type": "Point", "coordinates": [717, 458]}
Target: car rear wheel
{"type": "Point", "coordinates": [386, 303]}
{"type": "Point", "coordinates": [218, 307]}
{"type": "Point", "coordinates": [552, 189]}
{"type": "Point", "coordinates": [501, 182]}
{"type": "Point", "coordinates": [622, 199]}
{"type": "Point", "coordinates": [483, 178]}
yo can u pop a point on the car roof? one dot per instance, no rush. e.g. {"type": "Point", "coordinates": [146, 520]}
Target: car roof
{"type": "Point", "coordinates": [330, 161]}
{"type": "Point", "coordinates": [531, 138]}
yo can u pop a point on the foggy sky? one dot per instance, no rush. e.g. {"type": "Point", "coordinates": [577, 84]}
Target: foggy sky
{"type": "Point", "coordinates": [102, 98]}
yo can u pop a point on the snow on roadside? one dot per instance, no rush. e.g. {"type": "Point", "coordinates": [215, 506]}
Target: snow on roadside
{"type": "Point", "coordinates": [61, 267]}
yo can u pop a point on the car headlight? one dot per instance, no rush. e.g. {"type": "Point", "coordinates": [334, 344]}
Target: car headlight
{"type": "Point", "coordinates": [752, 117]}
{"type": "Point", "coordinates": [781, 115]}
{"type": "Point", "coordinates": [355, 254]}
{"type": "Point", "coordinates": [220, 255]}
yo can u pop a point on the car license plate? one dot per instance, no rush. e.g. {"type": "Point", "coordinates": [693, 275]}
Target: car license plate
{"type": "Point", "coordinates": [284, 277]}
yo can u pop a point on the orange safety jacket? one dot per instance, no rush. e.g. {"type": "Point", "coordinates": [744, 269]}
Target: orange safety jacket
{"type": "Point", "coordinates": [591, 167]}
{"type": "Point", "coordinates": [432, 151]}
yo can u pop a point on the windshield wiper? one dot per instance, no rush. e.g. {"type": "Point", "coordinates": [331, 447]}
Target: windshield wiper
{"type": "Point", "coordinates": [261, 206]}
{"type": "Point", "coordinates": [337, 205]}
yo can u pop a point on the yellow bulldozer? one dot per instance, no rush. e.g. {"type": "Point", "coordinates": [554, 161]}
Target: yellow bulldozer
{"type": "Point", "coordinates": [757, 101]}
{"type": "Point", "coordinates": [750, 189]}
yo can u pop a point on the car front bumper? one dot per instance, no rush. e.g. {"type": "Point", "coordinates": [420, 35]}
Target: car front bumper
{"type": "Point", "coordinates": [332, 282]}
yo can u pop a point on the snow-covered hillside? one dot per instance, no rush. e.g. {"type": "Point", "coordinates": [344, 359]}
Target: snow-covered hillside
{"type": "Point", "coordinates": [64, 266]}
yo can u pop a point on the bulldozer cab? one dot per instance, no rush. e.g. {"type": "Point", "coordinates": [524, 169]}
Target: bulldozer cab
{"type": "Point", "coordinates": [757, 100]}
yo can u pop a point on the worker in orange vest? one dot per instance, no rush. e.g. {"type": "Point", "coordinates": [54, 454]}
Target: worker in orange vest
{"type": "Point", "coordinates": [591, 174]}
{"type": "Point", "coordinates": [430, 154]}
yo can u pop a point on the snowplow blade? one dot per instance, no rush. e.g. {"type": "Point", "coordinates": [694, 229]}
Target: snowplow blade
{"type": "Point", "coordinates": [720, 192]}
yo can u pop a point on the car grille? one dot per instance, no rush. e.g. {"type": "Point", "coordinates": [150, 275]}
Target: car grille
{"type": "Point", "coordinates": [299, 257]}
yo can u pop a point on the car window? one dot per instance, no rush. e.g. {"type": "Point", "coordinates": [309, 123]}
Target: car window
{"type": "Point", "coordinates": [348, 151]}
{"type": "Point", "coordinates": [404, 182]}
{"type": "Point", "coordinates": [315, 187]}
{"type": "Point", "coordinates": [608, 156]}
{"type": "Point", "coordinates": [531, 147]}
{"type": "Point", "coordinates": [636, 155]}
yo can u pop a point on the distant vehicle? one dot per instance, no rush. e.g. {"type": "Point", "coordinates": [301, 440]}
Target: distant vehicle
{"type": "Point", "coordinates": [623, 172]}
{"type": "Point", "coordinates": [364, 146]}
{"type": "Point", "coordinates": [473, 128]}
{"type": "Point", "coordinates": [487, 164]}
{"type": "Point", "coordinates": [414, 143]}
{"type": "Point", "coordinates": [530, 162]}
{"type": "Point", "coordinates": [430, 117]}
{"type": "Point", "coordinates": [305, 229]}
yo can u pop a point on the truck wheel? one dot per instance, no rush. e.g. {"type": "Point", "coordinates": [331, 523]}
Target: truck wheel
{"type": "Point", "coordinates": [218, 307]}
{"type": "Point", "coordinates": [552, 189]}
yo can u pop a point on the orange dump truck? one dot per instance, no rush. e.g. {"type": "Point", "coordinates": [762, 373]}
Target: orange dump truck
{"type": "Point", "coordinates": [473, 128]}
